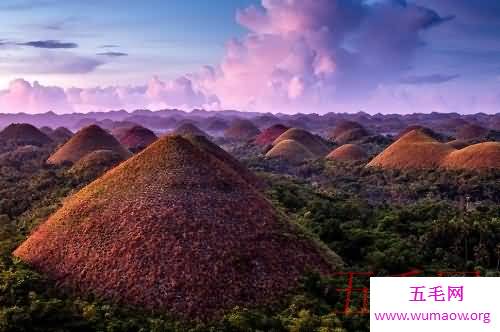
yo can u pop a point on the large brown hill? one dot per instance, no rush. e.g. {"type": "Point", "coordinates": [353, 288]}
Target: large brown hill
{"type": "Point", "coordinates": [477, 156]}
{"type": "Point", "coordinates": [24, 134]}
{"type": "Point", "coordinates": [173, 229]}
{"type": "Point", "coordinates": [413, 150]}
{"type": "Point", "coordinates": [85, 141]}
{"type": "Point", "coordinates": [311, 142]}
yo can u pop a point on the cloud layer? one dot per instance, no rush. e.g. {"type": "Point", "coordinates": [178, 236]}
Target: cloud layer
{"type": "Point", "coordinates": [309, 55]}
{"type": "Point", "coordinates": [21, 96]}
{"type": "Point", "coordinates": [429, 79]}
{"type": "Point", "coordinates": [51, 44]}
{"type": "Point", "coordinates": [113, 54]}
{"type": "Point", "coordinates": [297, 56]}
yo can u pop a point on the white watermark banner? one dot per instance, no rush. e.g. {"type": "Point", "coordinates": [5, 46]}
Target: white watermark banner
{"type": "Point", "coordinates": [434, 304]}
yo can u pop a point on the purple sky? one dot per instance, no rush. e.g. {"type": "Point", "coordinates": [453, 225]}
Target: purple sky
{"type": "Point", "coordinates": [387, 56]}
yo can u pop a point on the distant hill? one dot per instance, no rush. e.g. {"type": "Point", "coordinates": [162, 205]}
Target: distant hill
{"type": "Point", "coordinates": [243, 130]}
{"type": "Point", "coordinates": [217, 125]}
{"type": "Point", "coordinates": [290, 151]}
{"type": "Point", "coordinates": [189, 129]}
{"type": "Point", "coordinates": [311, 142]}
{"type": "Point", "coordinates": [24, 134]}
{"type": "Point", "coordinates": [167, 119]}
{"type": "Point", "coordinates": [85, 141]}
{"type": "Point", "coordinates": [153, 121]}
{"type": "Point", "coordinates": [348, 132]}
{"type": "Point", "coordinates": [478, 156]}
{"type": "Point", "coordinates": [415, 149]}
{"type": "Point", "coordinates": [268, 135]}
{"type": "Point", "coordinates": [61, 135]}
{"type": "Point", "coordinates": [136, 138]}
{"type": "Point", "coordinates": [426, 131]}
{"type": "Point", "coordinates": [471, 131]}
{"type": "Point", "coordinates": [266, 120]}
{"type": "Point", "coordinates": [348, 153]}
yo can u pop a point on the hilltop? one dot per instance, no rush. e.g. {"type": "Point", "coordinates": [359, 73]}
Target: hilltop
{"type": "Point", "coordinates": [135, 138]}
{"type": "Point", "coordinates": [291, 151]}
{"type": "Point", "coordinates": [347, 132]}
{"type": "Point", "coordinates": [24, 134]}
{"type": "Point", "coordinates": [61, 135]}
{"type": "Point", "coordinates": [478, 156]}
{"type": "Point", "coordinates": [189, 129]}
{"type": "Point", "coordinates": [85, 141]}
{"type": "Point", "coordinates": [413, 150]}
{"type": "Point", "coordinates": [268, 136]}
{"type": "Point", "coordinates": [213, 149]}
{"type": "Point", "coordinates": [312, 143]}
{"type": "Point", "coordinates": [424, 130]}
{"type": "Point", "coordinates": [348, 152]}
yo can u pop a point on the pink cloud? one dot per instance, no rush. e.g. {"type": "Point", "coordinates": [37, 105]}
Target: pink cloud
{"type": "Point", "coordinates": [178, 93]}
{"type": "Point", "coordinates": [310, 55]}
{"type": "Point", "coordinates": [21, 96]}
{"type": "Point", "coordinates": [298, 56]}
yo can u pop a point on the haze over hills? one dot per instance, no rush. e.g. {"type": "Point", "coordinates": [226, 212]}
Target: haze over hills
{"type": "Point", "coordinates": [241, 129]}
{"type": "Point", "coordinates": [167, 120]}
{"type": "Point", "coordinates": [189, 129]}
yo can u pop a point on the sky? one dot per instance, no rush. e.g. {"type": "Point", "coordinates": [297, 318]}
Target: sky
{"type": "Point", "coordinates": [289, 56]}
